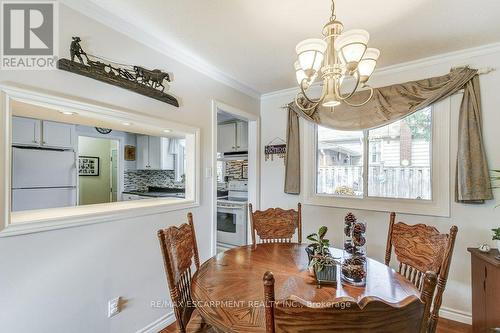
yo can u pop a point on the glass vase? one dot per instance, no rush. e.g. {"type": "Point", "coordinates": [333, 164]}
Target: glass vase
{"type": "Point", "coordinates": [354, 266]}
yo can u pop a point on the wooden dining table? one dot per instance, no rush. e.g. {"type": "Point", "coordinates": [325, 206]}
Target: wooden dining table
{"type": "Point", "coordinates": [229, 294]}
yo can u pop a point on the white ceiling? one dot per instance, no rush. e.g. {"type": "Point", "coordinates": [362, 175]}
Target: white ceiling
{"type": "Point", "coordinates": [253, 41]}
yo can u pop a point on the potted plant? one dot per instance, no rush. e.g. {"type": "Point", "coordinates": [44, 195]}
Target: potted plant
{"type": "Point", "coordinates": [496, 237]}
{"type": "Point", "coordinates": [318, 243]}
{"type": "Point", "coordinates": [321, 261]}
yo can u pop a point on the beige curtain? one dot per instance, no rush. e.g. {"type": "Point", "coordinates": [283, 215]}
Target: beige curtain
{"type": "Point", "coordinates": [473, 183]}
{"type": "Point", "coordinates": [292, 158]}
{"type": "Point", "coordinates": [393, 102]}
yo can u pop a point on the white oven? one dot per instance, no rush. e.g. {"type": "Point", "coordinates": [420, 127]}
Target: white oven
{"type": "Point", "coordinates": [231, 223]}
{"type": "Point", "coordinates": [232, 212]}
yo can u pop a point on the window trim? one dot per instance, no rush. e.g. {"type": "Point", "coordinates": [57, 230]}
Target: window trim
{"type": "Point", "coordinates": [438, 206]}
{"type": "Point", "coordinates": [57, 218]}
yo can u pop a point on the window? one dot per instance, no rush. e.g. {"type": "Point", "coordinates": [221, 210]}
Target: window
{"type": "Point", "coordinates": [392, 161]}
{"type": "Point", "coordinates": [340, 162]}
{"type": "Point", "coordinates": [402, 168]}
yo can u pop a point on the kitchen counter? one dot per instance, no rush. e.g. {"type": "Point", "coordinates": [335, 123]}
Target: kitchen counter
{"type": "Point", "coordinates": [159, 192]}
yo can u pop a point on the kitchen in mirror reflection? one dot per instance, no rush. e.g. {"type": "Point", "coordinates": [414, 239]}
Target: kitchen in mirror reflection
{"type": "Point", "coordinates": [61, 159]}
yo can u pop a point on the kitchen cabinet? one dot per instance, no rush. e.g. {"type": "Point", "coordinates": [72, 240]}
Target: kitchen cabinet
{"type": "Point", "coordinates": [153, 153]}
{"type": "Point", "coordinates": [58, 135]}
{"type": "Point", "coordinates": [26, 131]}
{"type": "Point", "coordinates": [241, 136]}
{"type": "Point", "coordinates": [226, 139]}
{"type": "Point", "coordinates": [42, 133]}
{"type": "Point", "coordinates": [232, 137]}
{"type": "Point", "coordinates": [485, 290]}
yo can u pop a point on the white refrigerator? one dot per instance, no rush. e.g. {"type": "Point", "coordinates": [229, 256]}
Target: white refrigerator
{"type": "Point", "coordinates": [43, 178]}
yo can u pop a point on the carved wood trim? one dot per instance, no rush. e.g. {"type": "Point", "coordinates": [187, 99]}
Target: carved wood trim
{"type": "Point", "coordinates": [276, 225]}
{"type": "Point", "coordinates": [420, 248]}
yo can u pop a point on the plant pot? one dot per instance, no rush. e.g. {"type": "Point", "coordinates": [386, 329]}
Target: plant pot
{"type": "Point", "coordinates": [497, 244]}
{"type": "Point", "coordinates": [328, 275]}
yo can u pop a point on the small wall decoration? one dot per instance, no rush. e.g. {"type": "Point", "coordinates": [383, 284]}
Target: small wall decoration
{"type": "Point", "coordinates": [129, 153]}
{"type": "Point", "coordinates": [148, 82]}
{"type": "Point", "coordinates": [244, 172]}
{"type": "Point", "coordinates": [277, 146]}
{"type": "Point", "coordinates": [88, 166]}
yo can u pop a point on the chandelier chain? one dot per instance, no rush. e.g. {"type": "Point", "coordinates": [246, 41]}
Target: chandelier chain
{"type": "Point", "coordinates": [333, 17]}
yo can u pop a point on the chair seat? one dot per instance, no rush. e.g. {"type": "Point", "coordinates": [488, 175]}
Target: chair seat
{"type": "Point", "coordinates": [197, 325]}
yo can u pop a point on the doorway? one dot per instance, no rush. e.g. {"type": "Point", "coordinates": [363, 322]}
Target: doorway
{"type": "Point", "coordinates": [101, 185]}
{"type": "Point", "coordinates": [235, 166]}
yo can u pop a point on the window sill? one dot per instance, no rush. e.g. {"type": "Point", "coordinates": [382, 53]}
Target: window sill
{"type": "Point", "coordinates": [405, 206]}
{"type": "Point", "coordinates": [33, 221]}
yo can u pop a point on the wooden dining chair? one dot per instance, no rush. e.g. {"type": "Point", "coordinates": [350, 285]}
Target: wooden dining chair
{"type": "Point", "coordinates": [276, 225]}
{"type": "Point", "coordinates": [179, 248]}
{"type": "Point", "coordinates": [293, 316]}
{"type": "Point", "coordinates": [420, 248]}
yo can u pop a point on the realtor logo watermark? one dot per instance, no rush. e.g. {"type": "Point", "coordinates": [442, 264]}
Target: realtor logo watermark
{"type": "Point", "coordinates": [29, 35]}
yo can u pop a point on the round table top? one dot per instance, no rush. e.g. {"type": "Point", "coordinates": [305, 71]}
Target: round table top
{"type": "Point", "coordinates": [228, 289]}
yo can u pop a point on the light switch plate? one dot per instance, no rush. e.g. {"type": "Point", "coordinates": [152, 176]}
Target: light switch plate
{"type": "Point", "coordinates": [113, 307]}
{"type": "Point", "coordinates": [208, 173]}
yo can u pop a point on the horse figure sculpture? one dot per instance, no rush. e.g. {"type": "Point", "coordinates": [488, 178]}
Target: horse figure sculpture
{"type": "Point", "coordinates": [154, 77]}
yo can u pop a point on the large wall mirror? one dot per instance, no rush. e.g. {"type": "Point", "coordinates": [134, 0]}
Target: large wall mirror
{"type": "Point", "coordinates": [68, 159]}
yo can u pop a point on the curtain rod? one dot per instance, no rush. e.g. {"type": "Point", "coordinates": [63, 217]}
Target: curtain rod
{"type": "Point", "coordinates": [480, 71]}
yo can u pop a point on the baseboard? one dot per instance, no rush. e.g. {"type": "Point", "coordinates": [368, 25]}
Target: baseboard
{"type": "Point", "coordinates": [159, 324]}
{"type": "Point", "coordinates": [456, 315]}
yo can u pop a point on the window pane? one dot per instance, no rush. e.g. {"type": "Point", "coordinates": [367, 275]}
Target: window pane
{"type": "Point", "coordinates": [399, 164]}
{"type": "Point", "coordinates": [340, 162]}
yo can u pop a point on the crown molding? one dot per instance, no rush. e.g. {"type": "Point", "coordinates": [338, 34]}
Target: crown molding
{"type": "Point", "coordinates": [96, 12]}
{"type": "Point", "coordinates": [454, 58]}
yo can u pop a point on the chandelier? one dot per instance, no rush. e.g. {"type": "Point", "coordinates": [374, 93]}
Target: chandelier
{"type": "Point", "coordinates": [337, 56]}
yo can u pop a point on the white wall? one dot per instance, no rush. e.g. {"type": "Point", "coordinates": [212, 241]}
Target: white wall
{"type": "Point", "coordinates": [474, 221]}
{"type": "Point", "coordinates": [61, 281]}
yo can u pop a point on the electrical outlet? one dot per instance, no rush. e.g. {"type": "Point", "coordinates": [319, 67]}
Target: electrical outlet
{"type": "Point", "coordinates": [113, 307]}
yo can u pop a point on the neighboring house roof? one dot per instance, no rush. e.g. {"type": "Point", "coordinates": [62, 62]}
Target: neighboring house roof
{"type": "Point", "coordinates": [340, 149]}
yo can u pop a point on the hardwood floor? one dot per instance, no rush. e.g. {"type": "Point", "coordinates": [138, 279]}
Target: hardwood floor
{"type": "Point", "coordinates": [444, 326]}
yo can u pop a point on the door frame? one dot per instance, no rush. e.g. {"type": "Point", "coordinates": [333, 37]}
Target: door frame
{"type": "Point", "coordinates": [253, 163]}
{"type": "Point", "coordinates": [118, 192]}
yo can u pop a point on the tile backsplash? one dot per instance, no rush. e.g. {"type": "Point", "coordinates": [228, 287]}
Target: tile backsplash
{"type": "Point", "coordinates": [139, 180]}
{"type": "Point", "coordinates": [234, 169]}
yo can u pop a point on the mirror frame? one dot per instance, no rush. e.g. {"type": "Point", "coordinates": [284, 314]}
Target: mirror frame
{"type": "Point", "coordinates": [57, 218]}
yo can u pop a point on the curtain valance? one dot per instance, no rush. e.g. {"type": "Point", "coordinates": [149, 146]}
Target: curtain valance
{"type": "Point", "coordinates": [396, 101]}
